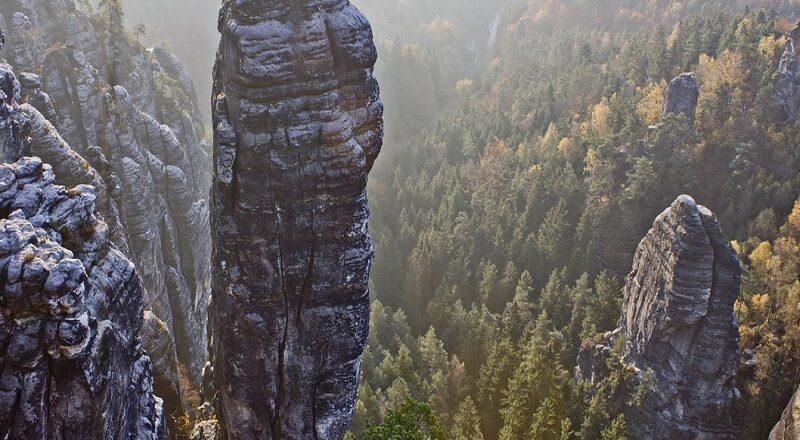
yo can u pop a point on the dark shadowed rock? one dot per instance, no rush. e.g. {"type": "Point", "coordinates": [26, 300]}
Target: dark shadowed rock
{"type": "Point", "coordinates": [70, 313]}
{"type": "Point", "coordinates": [31, 91]}
{"type": "Point", "coordinates": [680, 97]}
{"type": "Point", "coordinates": [788, 86]}
{"type": "Point", "coordinates": [105, 111]}
{"type": "Point", "coordinates": [788, 428]}
{"type": "Point", "coordinates": [159, 345]}
{"type": "Point", "coordinates": [15, 127]}
{"type": "Point", "coordinates": [298, 125]}
{"type": "Point", "coordinates": [678, 322]}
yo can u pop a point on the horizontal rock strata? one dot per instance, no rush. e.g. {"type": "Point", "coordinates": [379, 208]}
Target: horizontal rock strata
{"type": "Point", "coordinates": [298, 125]}
{"type": "Point", "coordinates": [678, 324]}
{"type": "Point", "coordinates": [788, 428]}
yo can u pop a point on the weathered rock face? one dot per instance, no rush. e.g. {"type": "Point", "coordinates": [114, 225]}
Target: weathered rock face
{"type": "Point", "coordinates": [298, 125]}
{"type": "Point", "coordinates": [104, 111]}
{"type": "Point", "coordinates": [788, 86]}
{"type": "Point", "coordinates": [681, 95]}
{"type": "Point", "coordinates": [14, 127]}
{"type": "Point", "coordinates": [788, 428]}
{"type": "Point", "coordinates": [70, 313]}
{"type": "Point", "coordinates": [678, 321]}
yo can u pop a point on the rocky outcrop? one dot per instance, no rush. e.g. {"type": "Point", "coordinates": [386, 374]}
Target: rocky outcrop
{"type": "Point", "coordinates": [205, 430]}
{"type": "Point", "coordinates": [681, 95]}
{"type": "Point", "coordinates": [678, 320]}
{"type": "Point", "coordinates": [298, 125]}
{"type": "Point", "coordinates": [788, 428]}
{"type": "Point", "coordinates": [788, 85]}
{"type": "Point", "coordinates": [102, 110]}
{"type": "Point", "coordinates": [14, 126]}
{"type": "Point", "coordinates": [678, 323]}
{"type": "Point", "coordinates": [70, 313]}
{"type": "Point", "coordinates": [159, 345]}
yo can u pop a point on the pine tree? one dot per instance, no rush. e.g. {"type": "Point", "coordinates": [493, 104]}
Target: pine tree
{"type": "Point", "coordinates": [616, 431]}
{"type": "Point", "coordinates": [467, 422]}
{"type": "Point", "coordinates": [410, 421]}
{"type": "Point", "coordinates": [604, 306]}
{"type": "Point", "coordinates": [555, 299]}
{"type": "Point", "coordinates": [495, 373]}
{"type": "Point", "coordinates": [434, 356]}
{"type": "Point", "coordinates": [545, 424]}
{"type": "Point", "coordinates": [553, 230]}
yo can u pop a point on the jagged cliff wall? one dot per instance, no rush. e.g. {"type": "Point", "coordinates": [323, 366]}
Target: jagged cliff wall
{"type": "Point", "coordinates": [103, 110]}
{"type": "Point", "coordinates": [70, 313]}
{"type": "Point", "coordinates": [678, 323]}
{"type": "Point", "coordinates": [788, 86]}
{"type": "Point", "coordinates": [298, 125]}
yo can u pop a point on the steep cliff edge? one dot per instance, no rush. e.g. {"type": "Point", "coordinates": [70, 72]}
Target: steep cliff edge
{"type": "Point", "coordinates": [298, 125]}
{"type": "Point", "coordinates": [788, 428]}
{"type": "Point", "coordinates": [103, 110]}
{"type": "Point", "coordinates": [678, 324]}
{"type": "Point", "coordinates": [788, 85]}
{"type": "Point", "coordinates": [70, 313]}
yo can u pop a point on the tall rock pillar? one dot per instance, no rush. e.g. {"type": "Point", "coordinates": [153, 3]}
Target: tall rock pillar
{"type": "Point", "coordinates": [297, 127]}
{"type": "Point", "coordinates": [678, 327]}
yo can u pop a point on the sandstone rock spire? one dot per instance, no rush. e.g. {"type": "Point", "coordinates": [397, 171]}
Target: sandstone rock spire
{"type": "Point", "coordinates": [788, 427]}
{"type": "Point", "coordinates": [681, 95]}
{"type": "Point", "coordinates": [678, 325]}
{"type": "Point", "coordinates": [788, 86]}
{"type": "Point", "coordinates": [298, 125]}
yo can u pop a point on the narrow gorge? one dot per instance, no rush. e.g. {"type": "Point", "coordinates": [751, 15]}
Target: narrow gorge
{"type": "Point", "coordinates": [539, 276]}
{"type": "Point", "coordinates": [104, 111]}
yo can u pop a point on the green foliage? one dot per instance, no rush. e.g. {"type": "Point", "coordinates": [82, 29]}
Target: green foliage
{"type": "Point", "coordinates": [171, 91]}
{"type": "Point", "coordinates": [411, 421]}
{"type": "Point", "coordinates": [517, 182]}
{"type": "Point", "coordinates": [553, 230]}
{"type": "Point", "coordinates": [615, 431]}
{"type": "Point", "coordinates": [467, 422]}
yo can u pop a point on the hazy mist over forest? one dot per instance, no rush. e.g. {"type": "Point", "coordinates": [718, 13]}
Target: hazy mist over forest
{"type": "Point", "coordinates": [528, 150]}
{"type": "Point", "coordinates": [189, 29]}
{"type": "Point", "coordinates": [521, 219]}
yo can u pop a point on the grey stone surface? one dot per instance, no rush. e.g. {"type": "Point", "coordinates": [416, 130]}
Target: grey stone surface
{"type": "Point", "coordinates": [788, 86]}
{"type": "Point", "coordinates": [788, 428]}
{"type": "Point", "coordinates": [105, 111]}
{"type": "Point", "coordinates": [206, 430]}
{"type": "Point", "coordinates": [70, 313]}
{"type": "Point", "coordinates": [678, 322]}
{"type": "Point", "coordinates": [298, 125]}
{"type": "Point", "coordinates": [680, 97]}
{"type": "Point", "coordinates": [14, 126]}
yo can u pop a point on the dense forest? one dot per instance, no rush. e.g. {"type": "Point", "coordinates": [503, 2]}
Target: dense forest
{"type": "Point", "coordinates": [526, 155]}
{"type": "Point", "coordinates": [492, 225]}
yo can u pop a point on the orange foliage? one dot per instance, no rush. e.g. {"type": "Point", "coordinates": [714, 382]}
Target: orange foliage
{"type": "Point", "coordinates": [487, 175]}
{"type": "Point", "coordinates": [783, 25]}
